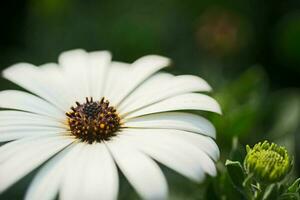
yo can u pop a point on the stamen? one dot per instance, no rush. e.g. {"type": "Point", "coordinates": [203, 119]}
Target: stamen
{"type": "Point", "coordinates": [93, 121]}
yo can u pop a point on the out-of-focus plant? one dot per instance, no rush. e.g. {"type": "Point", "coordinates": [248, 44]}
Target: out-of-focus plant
{"type": "Point", "coordinates": [222, 33]}
{"type": "Point", "coordinates": [242, 103]}
{"type": "Point", "coordinates": [287, 41]}
{"type": "Point", "coordinates": [264, 174]}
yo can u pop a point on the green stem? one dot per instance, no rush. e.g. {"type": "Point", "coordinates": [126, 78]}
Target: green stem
{"type": "Point", "coordinates": [248, 187]}
{"type": "Point", "coordinates": [260, 191]}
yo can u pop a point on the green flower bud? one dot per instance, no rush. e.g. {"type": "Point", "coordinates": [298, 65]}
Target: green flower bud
{"type": "Point", "coordinates": [267, 162]}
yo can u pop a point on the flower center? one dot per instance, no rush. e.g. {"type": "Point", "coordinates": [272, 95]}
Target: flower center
{"type": "Point", "coordinates": [93, 121]}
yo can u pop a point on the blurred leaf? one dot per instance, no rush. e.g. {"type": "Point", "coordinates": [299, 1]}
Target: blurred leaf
{"type": "Point", "coordinates": [290, 196]}
{"type": "Point", "coordinates": [221, 188]}
{"type": "Point", "coordinates": [294, 188]}
{"type": "Point", "coordinates": [284, 119]}
{"type": "Point", "coordinates": [287, 114]}
{"type": "Point", "coordinates": [236, 173]}
{"type": "Point", "coordinates": [212, 194]}
{"type": "Point", "coordinates": [237, 152]}
{"type": "Point", "coordinates": [287, 42]}
{"type": "Point", "coordinates": [49, 7]}
{"type": "Point", "coordinates": [241, 101]}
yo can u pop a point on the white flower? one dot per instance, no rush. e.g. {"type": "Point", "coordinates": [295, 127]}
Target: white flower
{"type": "Point", "coordinates": [131, 127]}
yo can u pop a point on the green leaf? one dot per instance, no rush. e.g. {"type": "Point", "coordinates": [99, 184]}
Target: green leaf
{"type": "Point", "coordinates": [294, 188]}
{"type": "Point", "coordinates": [236, 174]}
{"type": "Point", "coordinates": [237, 152]}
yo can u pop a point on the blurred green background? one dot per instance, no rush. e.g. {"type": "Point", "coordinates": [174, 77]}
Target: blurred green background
{"type": "Point", "coordinates": [249, 51]}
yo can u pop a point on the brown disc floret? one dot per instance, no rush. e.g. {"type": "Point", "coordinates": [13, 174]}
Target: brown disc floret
{"type": "Point", "coordinates": [93, 121]}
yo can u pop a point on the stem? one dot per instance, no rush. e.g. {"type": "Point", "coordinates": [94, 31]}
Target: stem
{"type": "Point", "coordinates": [259, 193]}
{"type": "Point", "coordinates": [248, 187]}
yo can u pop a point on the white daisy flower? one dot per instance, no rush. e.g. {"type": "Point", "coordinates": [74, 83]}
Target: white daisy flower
{"type": "Point", "coordinates": [88, 115]}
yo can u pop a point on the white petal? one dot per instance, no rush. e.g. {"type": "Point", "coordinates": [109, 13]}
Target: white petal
{"type": "Point", "coordinates": [141, 171]}
{"type": "Point", "coordinates": [17, 132]}
{"type": "Point", "coordinates": [142, 69]}
{"type": "Point", "coordinates": [190, 101]}
{"type": "Point", "coordinates": [18, 118]}
{"type": "Point", "coordinates": [92, 175]}
{"type": "Point", "coordinates": [116, 80]}
{"type": "Point", "coordinates": [98, 63]}
{"type": "Point", "coordinates": [154, 81]}
{"type": "Point", "coordinates": [13, 99]}
{"type": "Point", "coordinates": [8, 149]}
{"type": "Point", "coordinates": [43, 83]}
{"type": "Point", "coordinates": [172, 158]}
{"type": "Point", "coordinates": [204, 143]}
{"type": "Point", "coordinates": [71, 183]}
{"type": "Point", "coordinates": [59, 82]}
{"type": "Point", "coordinates": [75, 68]}
{"type": "Point", "coordinates": [167, 88]}
{"type": "Point", "coordinates": [46, 183]}
{"type": "Point", "coordinates": [22, 162]}
{"type": "Point", "coordinates": [174, 120]}
{"type": "Point", "coordinates": [173, 150]}
{"type": "Point", "coordinates": [100, 179]}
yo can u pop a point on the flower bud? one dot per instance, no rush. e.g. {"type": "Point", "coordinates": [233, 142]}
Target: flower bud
{"type": "Point", "coordinates": [267, 162]}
